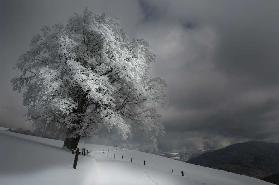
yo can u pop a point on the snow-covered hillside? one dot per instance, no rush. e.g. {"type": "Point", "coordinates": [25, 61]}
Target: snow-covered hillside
{"type": "Point", "coordinates": [29, 160]}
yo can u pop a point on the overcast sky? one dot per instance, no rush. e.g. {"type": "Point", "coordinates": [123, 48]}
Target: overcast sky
{"type": "Point", "coordinates": [220, 59]}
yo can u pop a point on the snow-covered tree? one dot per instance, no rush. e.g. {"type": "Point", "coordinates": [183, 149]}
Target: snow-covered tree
{"type": "Point", "coordinates": [87, 75]}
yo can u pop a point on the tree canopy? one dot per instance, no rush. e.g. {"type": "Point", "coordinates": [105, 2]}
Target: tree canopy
{"type": "Point", "coordinates": [88, 75]}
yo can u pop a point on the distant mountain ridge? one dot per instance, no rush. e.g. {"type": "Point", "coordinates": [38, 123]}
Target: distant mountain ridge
{"type": "Point", "coordinates": [254, 158]}
{"type": "Point", "coordinates": [272, 178]}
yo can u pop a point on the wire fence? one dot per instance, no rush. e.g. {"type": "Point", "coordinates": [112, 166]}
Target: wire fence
{"type": "Point", "coordinates": [137, 158]}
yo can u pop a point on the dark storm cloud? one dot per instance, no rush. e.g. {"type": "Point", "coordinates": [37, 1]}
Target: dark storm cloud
{"type": "Point", "coordinates": [243, 121]}
{"type": "Point", "coordinates": [150, 11]}
{"type": "Point", "coordinates": [227, 69]}
{"type": "Point", "coordinates": [219, 58]}
{"type": "Point", "coordinates": [251, 56]}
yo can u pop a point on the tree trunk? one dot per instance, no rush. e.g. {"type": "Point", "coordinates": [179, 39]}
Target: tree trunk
{"type": "Point", "coordinates": [71, 143]}
{"type": "Point", "coordinates": [81, 98]}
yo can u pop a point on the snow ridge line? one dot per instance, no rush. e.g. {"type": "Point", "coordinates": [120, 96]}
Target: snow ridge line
{"type": "Point", "coordinates": [35, 139]}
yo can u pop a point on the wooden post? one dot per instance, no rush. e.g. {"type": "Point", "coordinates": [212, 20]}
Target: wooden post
{"type": "Point", "coordinates": [76, 158]}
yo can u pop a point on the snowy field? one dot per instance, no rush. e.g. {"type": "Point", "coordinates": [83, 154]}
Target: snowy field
{"type": "Point", "coordinates": [29, 160]}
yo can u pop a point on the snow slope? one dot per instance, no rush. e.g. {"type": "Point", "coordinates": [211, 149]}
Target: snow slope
{"type": "Point", "coordinates": [29, 160]}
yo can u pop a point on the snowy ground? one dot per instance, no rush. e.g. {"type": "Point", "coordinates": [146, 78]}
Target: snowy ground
{"type": "Point", "coordinates": [28, 160]}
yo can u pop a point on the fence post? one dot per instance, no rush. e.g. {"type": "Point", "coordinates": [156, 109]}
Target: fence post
{"type": "Point", "coordinates": [76, 158]}
{"type": "Point", "coordinates": [83, 151]}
